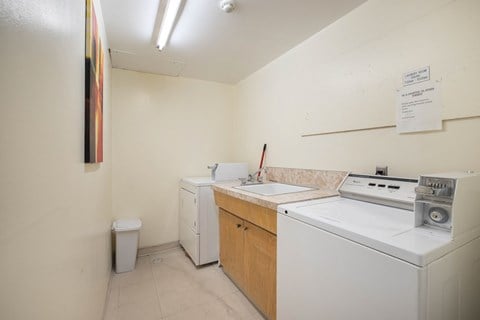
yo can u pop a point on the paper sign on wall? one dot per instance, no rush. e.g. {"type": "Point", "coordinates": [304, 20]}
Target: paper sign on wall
{"type": "Point", "coordinates": [416, 76]}
{"type": "Point", "coordinates": [418, 108]}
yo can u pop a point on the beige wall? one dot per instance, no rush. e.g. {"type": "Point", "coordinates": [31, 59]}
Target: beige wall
{"type": "Point", "coordinates": [164, 128]}
{"type": "Point", "coordinates": [346, 76]}
{"type": "Point", "coordinates": [55, 211]}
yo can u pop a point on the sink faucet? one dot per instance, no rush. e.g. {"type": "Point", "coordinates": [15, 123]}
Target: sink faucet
{"type": "Point", "coordinates": [214, 169]}
{"type": "Point", "coordinates": [254, 177]}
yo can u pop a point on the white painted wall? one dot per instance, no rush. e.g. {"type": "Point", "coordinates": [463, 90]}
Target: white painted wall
{"type": "Point", "coordinates": [346, 77]}
{"type": "Point", "coordinates": [55, 211]}
{"type": "Point", "coordinates": [164, 128]}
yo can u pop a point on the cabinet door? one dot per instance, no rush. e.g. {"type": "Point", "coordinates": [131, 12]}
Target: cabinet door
{"type": "Point", "coordinates": [231, 245]}
{"type": "Point", "coordinates": [260, 264]}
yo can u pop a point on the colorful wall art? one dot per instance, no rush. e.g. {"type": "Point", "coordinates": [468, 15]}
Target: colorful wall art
{"type": "Point", "coordinates": [93, 87]}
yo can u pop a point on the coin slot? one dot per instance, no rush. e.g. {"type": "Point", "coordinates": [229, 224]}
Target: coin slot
{"type": "Point", "coordinates": [438, 215]}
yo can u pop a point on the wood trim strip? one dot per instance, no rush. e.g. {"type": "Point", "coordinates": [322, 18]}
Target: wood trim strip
{"type": "Point", "coordinates": [378, 127]}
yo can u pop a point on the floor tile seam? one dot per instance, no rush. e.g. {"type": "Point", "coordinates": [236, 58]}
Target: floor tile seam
{"type": "Point", "coordinates": [111, 312]}
{"type": "Point", "coordinates": [138, 285]}
{"type": "Point", "coordinates": [150, 263]}
{"type": "Point", "coordinates": [195, 304]}
{"type": "Point", "coordinates": [247, 307]}
{"type": "Point", "coordinates": [141, 302]}
{"type": "Point", "coordinates": [199, 306]}
{"type": "Point", "coordinates": [133, 285]}
{"type": "Point", "coordinates": [161, 252]}
{"type": "Point", "coordinates": [164, 293]}
{"type": "Point", "coordinates": [156, 289]}
{"type": "Point", "coordinates": [228, 309]}
{"type": "Point", "coordinates": [252, 309]}
{"type": "Point", "coordinates": [116, 296]}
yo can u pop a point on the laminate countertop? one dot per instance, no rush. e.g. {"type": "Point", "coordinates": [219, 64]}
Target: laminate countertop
{"type": "Point", "coordinates": [271, 202]}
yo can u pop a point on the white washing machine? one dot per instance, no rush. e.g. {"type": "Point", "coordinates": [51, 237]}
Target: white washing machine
{"type": "Point", "coordinates": [369, 255]}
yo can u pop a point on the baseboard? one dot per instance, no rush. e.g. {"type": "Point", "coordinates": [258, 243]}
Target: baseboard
{"type": "Point", "coordinates": [162, 247]}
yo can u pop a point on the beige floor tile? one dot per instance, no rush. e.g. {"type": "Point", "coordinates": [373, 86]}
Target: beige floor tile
{"type": "Point", "coordinates": [111, 304]}
{"type": "Point", "coordinates": [141, 273]}
{"type": "Point", "coordinates": [140, 311]}
{"type": "Point", "coordinates": [216, 282]}
{"type": "Point", "coordinates": [171, 254]}
{"type": "Point", "coordinates": [110, 314]}
{"type": "Point", "coordinates": [110, 311]}
{"type": "Point", "coordinates": [137, 293]}
{"type": "Point", "coordinates": [231, 306]}
{"type": "Point", "coordinates": [113, 284]}
{"type": "Point", "coordinates": [257, 316]}
{"type": "Point", "coordinates": [193, 313]}
{"type": "Point", "coordinates": [180, 263]}
{"type": "Point", "coordinates": [175, 301]}
{"type": "Point", "coordinates": [169, 279]}
{"type": "Point", "coordinates": [168, 285]}
{"type": "Point", "coordinates": [238, 296]}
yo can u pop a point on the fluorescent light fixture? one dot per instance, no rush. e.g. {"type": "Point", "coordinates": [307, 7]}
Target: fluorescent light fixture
{"type": "Point", "coordinates": [171, 11]}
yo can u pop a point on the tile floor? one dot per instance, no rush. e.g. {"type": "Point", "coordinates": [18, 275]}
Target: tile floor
{"type": "Point", "coordinates": [167, 286]}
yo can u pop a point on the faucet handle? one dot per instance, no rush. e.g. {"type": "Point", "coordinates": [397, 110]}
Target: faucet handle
{"type": "Point", "coordinates": [213, 167]}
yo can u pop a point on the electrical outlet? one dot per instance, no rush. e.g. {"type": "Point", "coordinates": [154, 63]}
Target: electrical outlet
{"type": "Point", "coordinates": [381, 171]}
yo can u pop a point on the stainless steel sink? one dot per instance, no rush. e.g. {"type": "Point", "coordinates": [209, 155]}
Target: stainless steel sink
{"type": "Point", "coordinates": [273, 189]}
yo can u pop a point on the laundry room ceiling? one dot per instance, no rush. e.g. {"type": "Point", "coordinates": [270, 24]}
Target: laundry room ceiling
{"type": "Point", "coordinates": [210, 44]}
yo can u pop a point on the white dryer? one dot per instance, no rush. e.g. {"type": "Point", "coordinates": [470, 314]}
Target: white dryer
{"type": "Point", "coordinates": [368, 255]}
{"type": "Point", "coordinates": [198, 214]}
{"type": "Point", "coordinates": [198, 220]}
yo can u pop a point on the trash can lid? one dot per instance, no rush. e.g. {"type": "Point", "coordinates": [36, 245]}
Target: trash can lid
{"type": "Point", "coordinates": [127, 224]}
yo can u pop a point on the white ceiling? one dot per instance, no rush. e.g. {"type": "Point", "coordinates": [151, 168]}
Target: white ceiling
{"type": "Point", "coordinates": [210, 44]}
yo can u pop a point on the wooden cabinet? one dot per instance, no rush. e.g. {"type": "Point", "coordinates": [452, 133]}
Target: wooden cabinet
{"type": "Point", "coordinates": [260, 268]}
{"type": "Point", "coordinates": [248, 252]}
{"type": "Point", "coordinates": [263, 217]}
{"type": "Point", "coordinates": [231, 245]}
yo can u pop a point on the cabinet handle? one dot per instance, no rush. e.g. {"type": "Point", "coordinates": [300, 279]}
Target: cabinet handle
{"type": "Point", "coordinates": [239, 225]}
{"type": "Point", "coordinates": [245, 229]}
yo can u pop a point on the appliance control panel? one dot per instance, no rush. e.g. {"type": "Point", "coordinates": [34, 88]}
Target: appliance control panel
{"type": "Point", "coordinates": [393, 191]}
{"type": "Point", "coordinates": [449, 201]}
{"type": "Point", "coordinates": [433, 206]}
{"type": "Point", "coordinates": [432, 187]}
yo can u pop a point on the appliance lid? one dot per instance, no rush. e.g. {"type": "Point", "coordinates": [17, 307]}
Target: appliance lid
{"type": "Point", "coordinates": [383, 228]}
{"type": "Point", "coordinates": [198, 181]}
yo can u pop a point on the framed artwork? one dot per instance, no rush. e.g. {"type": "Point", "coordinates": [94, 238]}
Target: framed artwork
{"type": "Point", "coordinates": [93, 87]}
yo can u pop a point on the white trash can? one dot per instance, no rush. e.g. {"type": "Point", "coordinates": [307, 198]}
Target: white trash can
{"type": "Point", "coordinates": [126, 238]}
